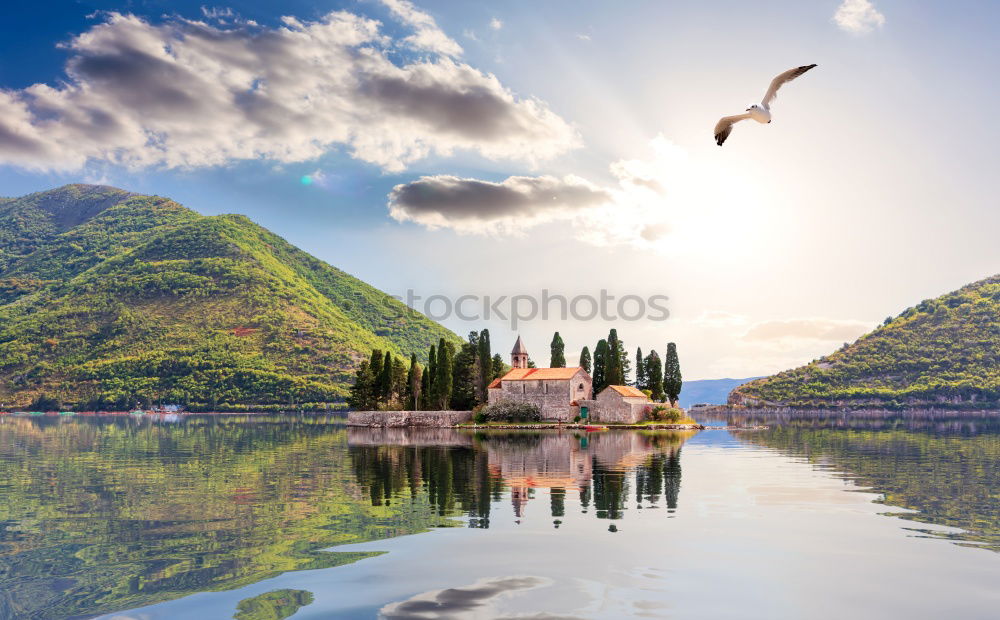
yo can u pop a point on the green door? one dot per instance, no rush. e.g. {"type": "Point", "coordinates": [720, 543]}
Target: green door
{"type": "Point", "coordinates": [583, 413]}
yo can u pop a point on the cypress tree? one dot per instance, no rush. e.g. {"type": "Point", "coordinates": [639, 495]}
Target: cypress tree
{"type": "Point", "coordinates": [442, 381]}
{"type": "Point", "coordinates": [362, 392]}
{"type": "Point", "coordinates": [640, 370]}
{"type": "Point", "coordinates": [413, 384]}
{"type": "Point", "coordinates": [485, 364]}
{"type": "Point", "coordinates": [431, 377]}
{"type": "Point", "coordinates": [383, 385]}
{"type": "Point", "coordinates": [465, 375]}
{"type": "Point", "coordinates": [613, 372]}
{"type": "Point", "coordinates": [375, 363]}
{"type": "Point", "coordinates": [425, 390]}
{"type": "Point", "coordinates": [397, 390]}
{"type": "Point", "coordinates": [672, 380]}
{"type": "Point", "coordinates": [558, 349]}
{"type": "Point", "coordinates": [498, 367]}
{"type": "Point", "coordinates": [600, 365]}
{"type": "Point", "coordinates": [375, 368]}
{"type": "Point", "coordinates": [654, 376]}
{"type": "Point", "coordinates": [585, 359]}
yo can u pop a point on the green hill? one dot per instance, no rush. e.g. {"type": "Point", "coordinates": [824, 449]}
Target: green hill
{"type": "Point", "coordinates": [944, 352]}
{"type": "Point", "coordinates": [109, 298]}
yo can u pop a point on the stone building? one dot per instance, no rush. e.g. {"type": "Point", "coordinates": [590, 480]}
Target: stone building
{"type": "Point", "coordinates": [552, 390]}
{"type": "Point", "coordinates": [621, 404]}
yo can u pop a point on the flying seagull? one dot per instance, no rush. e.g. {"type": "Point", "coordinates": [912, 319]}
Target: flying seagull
{"type": "Point", "coordinates": [759, 112]}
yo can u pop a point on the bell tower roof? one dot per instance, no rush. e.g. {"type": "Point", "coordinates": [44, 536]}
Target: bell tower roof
{"type": "Point", "coordinates": [519, 348]}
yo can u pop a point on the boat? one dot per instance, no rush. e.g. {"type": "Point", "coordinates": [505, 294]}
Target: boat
{"type": "Point", "coordinates": [590, 428]}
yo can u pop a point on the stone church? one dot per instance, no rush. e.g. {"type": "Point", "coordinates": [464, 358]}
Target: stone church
{"type": "Point", "coordinates": [555, 391]}
{"type": "Point", "coordinates": [561, 394]}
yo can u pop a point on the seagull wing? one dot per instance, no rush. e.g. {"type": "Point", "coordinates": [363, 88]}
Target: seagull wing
{"type": "Point", "coordinates": [787, 76]}
{"type": "Point", "coordinates": [725, 126]}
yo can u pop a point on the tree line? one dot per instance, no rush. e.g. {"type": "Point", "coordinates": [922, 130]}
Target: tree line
{"type": "Point", "coordinates": [458, 377]}
{"type": "Point", "coordinates": [453, 378]}
{"type": "Point", "coordinates": [610, 365]}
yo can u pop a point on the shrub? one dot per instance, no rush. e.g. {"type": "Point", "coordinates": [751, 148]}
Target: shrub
{"type": "Point", "coordinates": [673, 415]}
{"type": "Point", "coordinates": [479, 417]}
{"type": "Point", "coordinates": [576, 419]}
{"type": "Point", "coordinates": [507, 411]}
{"type": "Point", "coordinates": [661, 413]}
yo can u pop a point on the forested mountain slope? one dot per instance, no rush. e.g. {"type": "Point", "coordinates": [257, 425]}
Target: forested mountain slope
{"type": "Point", "coordinates": [942, 352]}
{"type": "Point", "coordinates": [110, 299]}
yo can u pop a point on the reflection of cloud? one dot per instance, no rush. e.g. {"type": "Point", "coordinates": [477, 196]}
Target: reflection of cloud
{"type": "Point", "coordinates": [831, 330]}
{"type": "Point", "coordinates": [858, 16]}
{"type": "Point", "coordinates": [469, 602]}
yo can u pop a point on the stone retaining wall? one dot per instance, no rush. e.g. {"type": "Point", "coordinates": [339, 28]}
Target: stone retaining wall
{"type": "Point", "coordinates": [432, 419]}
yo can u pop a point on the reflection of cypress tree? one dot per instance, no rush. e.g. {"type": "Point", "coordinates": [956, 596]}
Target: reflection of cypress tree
{"type": "Point", "coordinates": [584, 498]}
{"type": "Point", "coordinates": [609, 492]}
{"type": "Point", "coordinates": [557, 497]}
{"type": "Point", "coordinates": [649, 480]}
{"type": "Point", "coordinates": [655, 479]}
{"type": "Point", "coordinates": [672, 478]}
{"type": "Point", "coordinates": [479, 516]}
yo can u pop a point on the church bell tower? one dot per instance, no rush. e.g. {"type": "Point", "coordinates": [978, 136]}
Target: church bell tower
{"type": "Point", "coordinates": [519, 354]}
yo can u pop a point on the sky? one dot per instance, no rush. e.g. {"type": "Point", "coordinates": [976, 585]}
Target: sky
{"type": "Point", "coordinates": [531, 151]}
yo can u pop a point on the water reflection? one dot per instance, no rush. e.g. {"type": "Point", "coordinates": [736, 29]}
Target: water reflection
{"type": "Point", "coordinates": [467, 473]}
{"type": "Point", "coordinates": [97, 515]}
{"type": "Point", "coordinates": [943, 466]}
{"type": "Point", "coordinates": [100, 516]}
{"type": "Point", "coordinates": [274, 605]}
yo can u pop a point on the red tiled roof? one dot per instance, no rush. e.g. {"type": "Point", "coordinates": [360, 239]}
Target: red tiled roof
{"type": "Point", "coordinates": [494, 384]}
{"type": "Point", "coordinates": [628, 391]}
{"type": "Point", "coordinates": [532, 374]}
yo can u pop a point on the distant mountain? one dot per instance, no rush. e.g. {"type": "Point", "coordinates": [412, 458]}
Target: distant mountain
{"type": "Point", "coordinates": [708, 391]}
{"type": "Point", "coordinates": [108, 298]}
{"type": "Point", "coordinates": [944, 352]}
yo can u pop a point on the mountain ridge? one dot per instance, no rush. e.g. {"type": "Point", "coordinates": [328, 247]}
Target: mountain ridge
{"type": "Point", "coordinates": [140, 299]}
{"type": "Point", "coordinates": [944, 352]}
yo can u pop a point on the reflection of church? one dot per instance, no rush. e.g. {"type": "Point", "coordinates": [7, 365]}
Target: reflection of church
{"type": "Point", "coordinates": [595, 466]}
{"type": "Point", "coordinates": [460, 473]}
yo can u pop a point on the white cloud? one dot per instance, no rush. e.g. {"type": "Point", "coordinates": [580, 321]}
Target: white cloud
{"type": "Point", "coordinates": [472, 205]}
{"type": "Point", "coordinates": [858, 16]}
{"type": "Point", "coordinates": [217, 12]}
{"type": "Point", "coordinates": [827, 330]}
{"type": "Point", "coordinates": [496, 23]}
{"type": "Point", "coordinates": [186, 94]}
{"type": "Point", "coordinates": [772, 345]}
{"type": "Point", "coordinates": [719, 319]}
{"type": "Point", "coordinates": [427, 36]}
{"type": "Point", "coordinates": [627, 213]}
{"type": "Point", "coordinates": [657, 203]}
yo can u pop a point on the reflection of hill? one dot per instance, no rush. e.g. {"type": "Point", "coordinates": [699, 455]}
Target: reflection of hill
{"type": "Point", "coordinates": [951, 479]}
{"type": "Point", "coordinates": [96, 518]}
{"type": "Point", "coordinates": [955, 423]}
{"type": "Point", "coordinates": [473, 470]}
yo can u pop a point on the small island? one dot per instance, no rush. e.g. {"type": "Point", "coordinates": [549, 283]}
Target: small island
{"type": "Point", "coordinates": [525, 396]}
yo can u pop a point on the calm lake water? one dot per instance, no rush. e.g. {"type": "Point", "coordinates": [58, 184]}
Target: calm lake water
{"type": "Point", "coordinates": [265, 518]}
